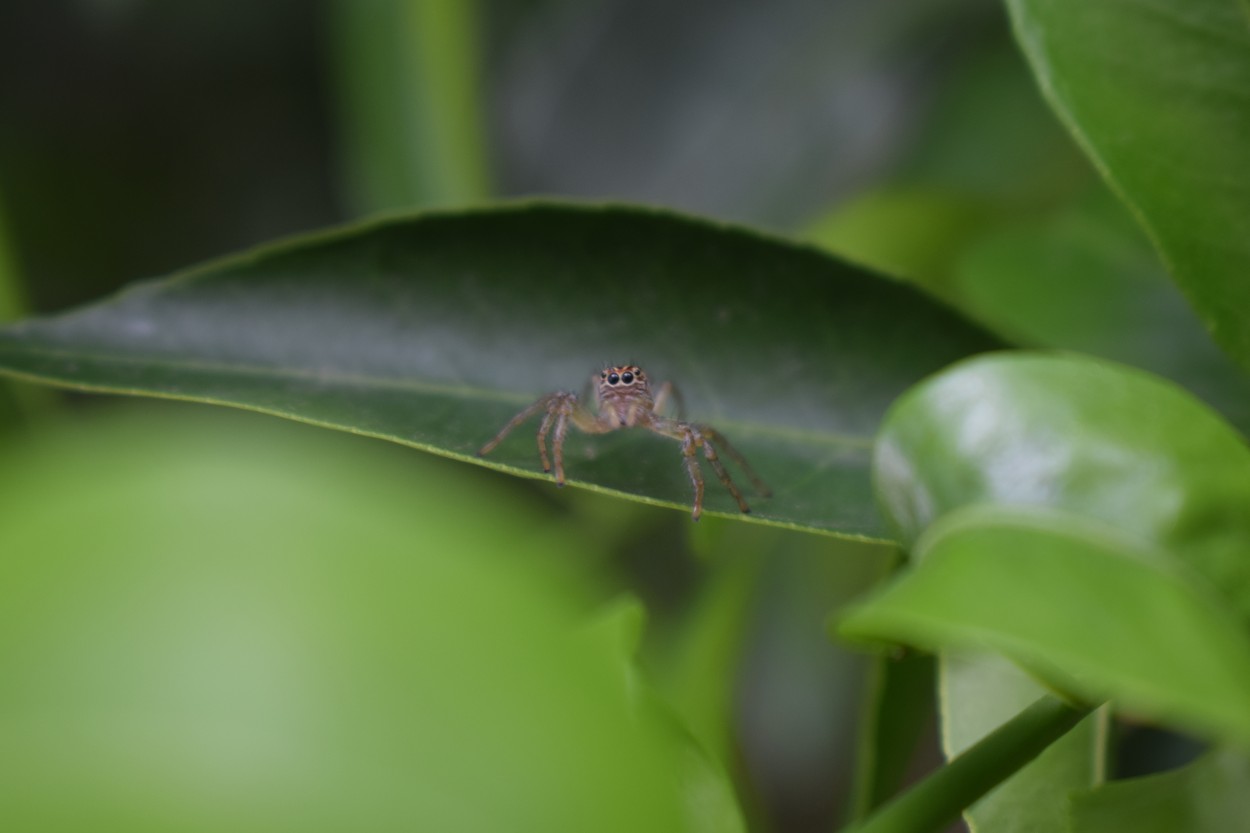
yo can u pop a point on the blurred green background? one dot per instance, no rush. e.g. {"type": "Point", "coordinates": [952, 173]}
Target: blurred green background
{"type": "Point", "coordinates": [297, 612]}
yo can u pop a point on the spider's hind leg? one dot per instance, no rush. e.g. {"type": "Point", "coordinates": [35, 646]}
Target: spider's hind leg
{"type": "Point", "coordinates": [712, 436]}
{"type": "Point", "coordinates": [709, 451]}
{"type": "Point", "coordinates": [543, 403]}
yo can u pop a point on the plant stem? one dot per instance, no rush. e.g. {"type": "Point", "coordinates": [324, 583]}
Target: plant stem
{"type": "Point", "coordinates": [938, 800]}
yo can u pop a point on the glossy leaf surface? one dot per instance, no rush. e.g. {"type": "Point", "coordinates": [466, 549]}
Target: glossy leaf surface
{"type": "Point", "coordinates": [1099, 441]}
{"type": "Point", "coordinates": [432, 331]}
{"type": "Point", "coordinates": [1155, 93]}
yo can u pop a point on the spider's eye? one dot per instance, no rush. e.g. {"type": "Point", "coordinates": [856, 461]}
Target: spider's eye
{"type": "Point", "coordinates": [627, 377]}
{"type": "Point", "coordinates": [613, 378]}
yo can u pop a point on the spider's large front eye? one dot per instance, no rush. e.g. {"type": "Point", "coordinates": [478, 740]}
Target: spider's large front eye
{"type": "Point", "coordinates": [627, 377]}
{"type": "Point", "coordinates": [613, 378]}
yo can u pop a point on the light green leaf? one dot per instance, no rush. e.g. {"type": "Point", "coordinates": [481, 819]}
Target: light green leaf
{"type": "Point", "coordinates": [1092, 439]}
{"type": "Point", "coordinates": [433, 330]}
{"type": "Point", "coordinates": [1211, 795]}
{"type": "Point", "coordinates": [981, 692]}
{"type": "Point", "coordinates": [1079, 604]}
{"type": "Point", "coordinates": [224, 623]}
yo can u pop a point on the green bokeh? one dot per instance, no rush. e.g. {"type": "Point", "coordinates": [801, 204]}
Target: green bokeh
{"type": "Point", "coordinates": [227, 624]}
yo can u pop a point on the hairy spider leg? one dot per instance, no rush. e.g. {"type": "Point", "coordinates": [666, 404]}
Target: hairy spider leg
{"type": "Point", "coordinates": [544, 402]}
{"type": "Point", "coordinates": [642, 410]}
{"type": "Point", "coordinates": [691, 441]}
{"type": "Point", "coordinates": [709, 451]}
{"type": "Point", "coordinates": [669, 391]}
{"type": "Point", "coordinates": [543, 428]}
{"type": "Point", "coordinates": [689, 456]}
{"type": "Point", "coordinates": [714, 436]}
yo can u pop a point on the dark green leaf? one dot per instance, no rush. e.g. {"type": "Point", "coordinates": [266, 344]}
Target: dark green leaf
{"type": "Point", "coordinates": [1156, 94]}
{"type": "Point", "coordinates": [433, 331]}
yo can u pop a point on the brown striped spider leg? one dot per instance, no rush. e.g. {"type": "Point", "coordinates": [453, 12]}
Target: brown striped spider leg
{"type": "Point", "coordinates": [623, 399]}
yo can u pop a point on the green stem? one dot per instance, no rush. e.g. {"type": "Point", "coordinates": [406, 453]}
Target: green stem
{"type": "Point", "coordinates": [19, 402]}
{"type": "Point", "coordinates": [410, 115]}
{"type": "Point", "coordinates": [939, 799]}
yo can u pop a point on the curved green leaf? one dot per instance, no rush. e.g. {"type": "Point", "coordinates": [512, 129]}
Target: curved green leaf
{"type": "Point", "coordinates": [1211, 795]}
{"type": "Point", "coordinates": [432, 331]}
{"type": "Point", "coordinates": [1078, 604]}
{"type": "Point", "coordinates": [1156, 94]}
{"type": "Point", "coordinates": [1097, 440]}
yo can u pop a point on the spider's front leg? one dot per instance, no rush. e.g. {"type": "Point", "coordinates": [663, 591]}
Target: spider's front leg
{"type": "Point", "coordinates": [666, 392]}
{"type": "Point", "coordinates": [694, 437]}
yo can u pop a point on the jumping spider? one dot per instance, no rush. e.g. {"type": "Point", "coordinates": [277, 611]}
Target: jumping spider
{"type": "Point", "coordinates": [623, 400]}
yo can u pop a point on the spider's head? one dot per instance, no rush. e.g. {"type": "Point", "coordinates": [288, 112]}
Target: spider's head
{"type": "Point", "coordinates": [622, 379]}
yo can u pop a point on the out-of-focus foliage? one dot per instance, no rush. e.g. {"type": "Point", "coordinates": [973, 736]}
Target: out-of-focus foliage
{"type": "Point", "coordinates": [1167, 133]}
{"type": "Point", "coordinates": [225, 624]}
{"type": "Point", "coordinates": [909, 137]}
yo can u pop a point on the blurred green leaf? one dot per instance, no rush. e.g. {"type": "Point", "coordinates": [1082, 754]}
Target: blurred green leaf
{"type": "Point", "coordinates": [1099, 441]}
{"type": "Point", "coordinates": [913, 232]}
{"type": "Point", "coordinates": [1167, 131]}
{"type": "Point", "coordinates": [1077, 604]}
{"type": "Point", "coordinates": [697, 722]}
{"type": "Point", "coordinates": [411, 118]}
{"type": "Point", "coordinates": [981, 692]}
{"type": "Point", "coordinates": [898, 705]}
{"type": "Point", "coordinates": [987, 154]}
{"type": "Point", "coordinates": [696, 667]}
{"type": "Point", "coordinates": [1211, 795]}
{"type": "Point", "coordinates": [1086, 278]}
{"type": "Point", "coordinates": [432, 331]}
{"type": "Point", "coordinates": [229, 624]}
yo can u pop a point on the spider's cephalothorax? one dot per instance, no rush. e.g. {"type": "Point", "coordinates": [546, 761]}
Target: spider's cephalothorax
{"type": "Point", "coordinates": [623, 399]}
{"type": "Point", "coordinates": [623, 392]}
